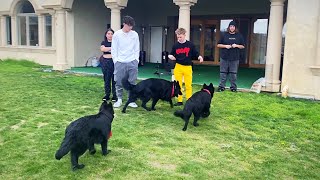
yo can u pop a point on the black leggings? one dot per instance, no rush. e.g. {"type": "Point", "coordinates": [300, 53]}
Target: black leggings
{"type": "Point", "coordinates": [107, 68]}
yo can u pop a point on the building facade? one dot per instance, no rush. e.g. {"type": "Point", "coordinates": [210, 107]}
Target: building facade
{"type": "Point", "coordinates": [282, 36]}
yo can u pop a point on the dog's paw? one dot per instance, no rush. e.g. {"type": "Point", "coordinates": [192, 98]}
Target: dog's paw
{"type": "Point", "coordinates": [79, 166]}
{"type": "Point", "coordinates": [153, 109]}
{"type": "Point", "coordinates": [196, 124]}
{"type": "Point", "coordinates": [184, 129]}
{"type": "Point", "coordinates": [123, 111]}
{"type": "Point", "coordinates": [92, 152]}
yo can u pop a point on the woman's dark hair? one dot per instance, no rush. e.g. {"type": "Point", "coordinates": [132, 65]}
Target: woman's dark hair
{"type": "Point", "coordinates": [109, 29]}
{"type": "Point", "coordinates": [128, 20]}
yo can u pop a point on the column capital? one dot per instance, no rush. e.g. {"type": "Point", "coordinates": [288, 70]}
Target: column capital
{"type": "Point", "coordinates": [185, 2]}
{"type": "Point", "coordinates": [60, 10]}
{"type": "Point", "coordinates": [116, 4]}
{"type": "Point", "coordinates": [277, 2]}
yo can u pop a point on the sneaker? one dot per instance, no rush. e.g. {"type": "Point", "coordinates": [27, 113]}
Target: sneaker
{"type": "Point", "coordinates": [221, 89]}
{"type": "Point", "coordinates": [114, 98]}
{"type": "Point", "coordinates": [105, 98]}
{"type": "Point", "coordinates": [178, 104]}
{"type": "Point", "coordinates": [133, 105]}
{"type": "Point", "coordinates": [233, 90]}
{"type": "Point", "coordinates": [118, 103]}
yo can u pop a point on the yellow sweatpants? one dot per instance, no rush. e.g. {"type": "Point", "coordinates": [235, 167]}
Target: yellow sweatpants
{"type": "Point", "coordinates": [181, 71]}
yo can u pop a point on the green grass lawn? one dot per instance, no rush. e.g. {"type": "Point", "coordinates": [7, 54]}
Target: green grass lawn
{"type": "Point", "coordinates": [247, 135]}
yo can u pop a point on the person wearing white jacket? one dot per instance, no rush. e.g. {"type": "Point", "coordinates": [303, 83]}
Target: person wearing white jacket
{"type": "Point", "coordinates": [125, 50]}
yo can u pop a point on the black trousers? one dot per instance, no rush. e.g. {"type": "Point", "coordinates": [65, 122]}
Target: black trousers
{"type": "Point", "coordinates": [107, 68]}
{"type": "Point", "coordinates": [228, 68]}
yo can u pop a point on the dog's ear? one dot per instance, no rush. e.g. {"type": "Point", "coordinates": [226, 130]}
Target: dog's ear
{"type": "Point", "coordinates": [211, 85]}
{"type": "Point", "coordinates": [204, 85]}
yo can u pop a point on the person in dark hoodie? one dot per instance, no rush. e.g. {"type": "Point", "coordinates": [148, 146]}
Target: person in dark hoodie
{"type": "Point", "coordinates": [107, 66]}
{"type": "Point", "coordinates": [230, 43]}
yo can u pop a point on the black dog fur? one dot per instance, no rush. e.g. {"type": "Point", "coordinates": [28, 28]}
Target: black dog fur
{"type": "Point", "coordinates": [86, 131]}
{"type": "Point", "coordinates": [198, 104]}
{"type": "Point", "coordinates": [152, 88]}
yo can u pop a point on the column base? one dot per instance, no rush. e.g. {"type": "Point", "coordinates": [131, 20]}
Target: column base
{"type": "Point", "coordinates": [61, 67]}
{"type": "Point", "coordinates": [271, 87]}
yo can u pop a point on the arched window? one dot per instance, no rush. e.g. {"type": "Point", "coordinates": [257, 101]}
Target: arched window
{"type": "Point", "coordinates": [27, 25]}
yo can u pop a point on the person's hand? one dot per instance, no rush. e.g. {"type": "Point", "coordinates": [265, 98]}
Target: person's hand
{"type": "Point", "coordinates": [234, 45]}
{"type": "Point", "coordinates": [171, 57]}
{"type": "Point", "coordinates": [200, 59]}
{"type": "Point", "coordinates": [228, 46]}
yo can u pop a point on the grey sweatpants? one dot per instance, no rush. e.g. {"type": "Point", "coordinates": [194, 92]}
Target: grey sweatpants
{"type": "Point", "coordinates": [228, 68]}
{"type": "Point", "coordinates": [122, 70]}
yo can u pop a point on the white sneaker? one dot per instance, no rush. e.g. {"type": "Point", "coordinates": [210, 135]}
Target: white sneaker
{"type": "Point", "coordinates": [133, 105]}
{"type": "Point", "coordinates": [118, 103]}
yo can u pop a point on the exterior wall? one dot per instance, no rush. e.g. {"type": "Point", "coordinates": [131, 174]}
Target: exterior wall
{"type": "Point", "coordinates": [45, 55]}
{"type": "Point", "coordinates": [301, 49]}
{"type": "Point", "coordinates": [41, 56]}
{"type": "Point", "coordinates": [88, 29]}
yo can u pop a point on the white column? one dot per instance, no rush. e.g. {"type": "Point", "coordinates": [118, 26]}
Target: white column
{"type": "Point", "coordinates": [60, 35]}
{"type": "Point", "coordinates": [116, 6]}
{"type": "Point", "coordinates": [53, 20]}
{"type": "Point", "coordinates": [184, 14]}
{"type": "Point", "coordinates": [41, 22]}
{"type": "Point", "coordinates": [14, 31]}
{"type": "Point", "coordinates": [184, 18]}
{"type": "Point", "coordinates": [274, 43]}
{"type": "Point", "coordinates": [3, 28]}
{"type": "Point", "coordinates": [115, 17]}
{"type": "Point", "coordinates": [318, 49]}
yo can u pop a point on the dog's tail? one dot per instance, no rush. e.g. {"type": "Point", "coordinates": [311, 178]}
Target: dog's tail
{"type": "Point", "coordinates": [179, 114]}
{"type": "Point", "coordinates": [64, 148]}
{"type": "Point", "coordinates": [127, 85]}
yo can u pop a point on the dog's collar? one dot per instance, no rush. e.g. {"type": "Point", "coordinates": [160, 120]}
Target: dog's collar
{"type": "Point", "coordinates": [206, 90]}
{"type": "Point", "coordinates": [109, 115]}
{"type": "Point", "coordinates": [172, 91]}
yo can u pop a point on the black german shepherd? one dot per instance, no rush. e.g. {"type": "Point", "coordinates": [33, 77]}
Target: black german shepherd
{"type": "Point", "coordinates": [152, 88]}
{"type": "Point", "coordinates": [84, 132]}
{"type": "Point", "coordinates": [198, 104]}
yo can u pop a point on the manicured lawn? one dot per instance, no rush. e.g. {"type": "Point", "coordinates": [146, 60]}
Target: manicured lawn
{"type": "Point", "coordinates": [247, 135]}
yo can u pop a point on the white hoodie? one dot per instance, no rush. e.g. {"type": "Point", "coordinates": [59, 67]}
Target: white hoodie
{"type": "Point", "coordinates": [125, 47]}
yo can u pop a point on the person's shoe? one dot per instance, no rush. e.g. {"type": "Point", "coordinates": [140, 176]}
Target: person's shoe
{"type": "Point", "coordinates": [221, 89]}
{"type": "Point", "coordinates": [133, 105]}
{"type": "Point", "coordinates": [233, 90]}
{"type": "Point", "coordinates": [118, 103]}
{"type": "Point", "coordinates": [105, 98]}
{"type": "Point", "coordinates": [178, 104]}
{"type": "Point", "coordinates": [114, 98]}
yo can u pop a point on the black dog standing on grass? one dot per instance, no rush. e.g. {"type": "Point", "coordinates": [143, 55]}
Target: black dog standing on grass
{"type": "Point", "coordinates": [152, 88]}
{"type": "Point", "coordinates": [198, 104]}
{"type": "Point", "coordinates": [84, 132]}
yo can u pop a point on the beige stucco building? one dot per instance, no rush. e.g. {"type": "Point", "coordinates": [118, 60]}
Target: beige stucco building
{"type": "Point", "coordinates": [65, 33]}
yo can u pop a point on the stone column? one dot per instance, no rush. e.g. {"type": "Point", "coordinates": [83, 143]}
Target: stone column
{"type": "Point", "coordinates": [274, 43]}
{"type": "Point", "coordinates": [3, 28]}
{"type": "Point", "coordinates": [115, 18]}
{"type": "Point", "coordinates": [41, 26]}
{"type": "Point", "coordinates": [53, 20]}
{"type": "Point", "coordinates": [115, 6]}
{"type": "Point", "coordinates": [60, 35]}
{"type": "Point", "coordinates": [14, 31]}
{"type": "Point", "coordinates": [184, 14]}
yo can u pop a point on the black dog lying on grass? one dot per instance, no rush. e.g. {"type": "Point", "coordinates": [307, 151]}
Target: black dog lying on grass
{"type": "Point", "coordinates": [198, 104]}
{"type": "Point", "coordinates": [152, 88]}
{"type": "Point", "coordinates": [84, 132]}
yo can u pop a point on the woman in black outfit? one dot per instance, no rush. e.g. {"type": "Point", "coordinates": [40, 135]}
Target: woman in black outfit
{"type": "Point", "coordinates": [107, 66]}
